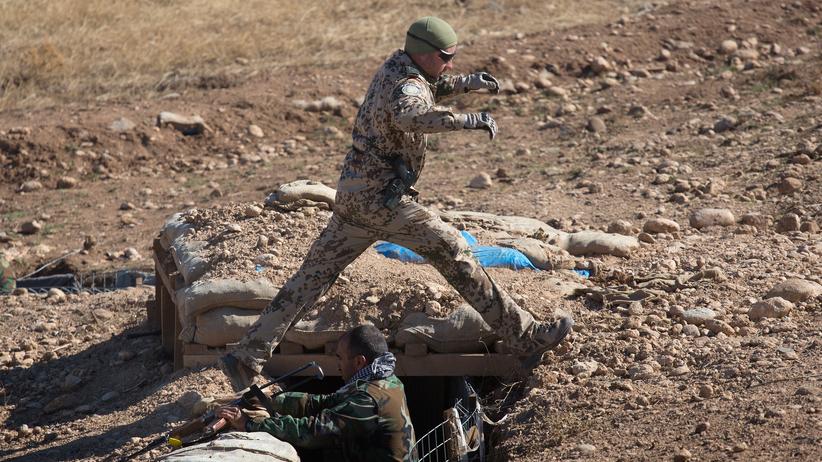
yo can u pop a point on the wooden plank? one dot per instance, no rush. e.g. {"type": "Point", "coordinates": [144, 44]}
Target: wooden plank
{"type": "Point", "coordinates": [177, 343]}
{"type": "Point", "coordinates": [168, 315]}
{"type": "Point", "coordinates": [331, 348]}
{"type": "Point", "coordinates": [195, 349]}
{"type": "Point", "coordinates": [153, 309]}
{"type": "Point", "coordinates": [291, 348]}
{"type": "Point", "coordinates": [431, 365]}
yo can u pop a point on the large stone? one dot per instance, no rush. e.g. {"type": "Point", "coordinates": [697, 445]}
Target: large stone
{"type": "Point", "coordinates": [757, 220]}
{"type": "Point", "coordinates": [704, 218]}
{"type": "Point", "coordinates": [660, 225]}
{"type": "Point", "coordinates": [481, 181]}
{"type": "Point", "coordinates": [789, 185]}
{"type": "Point", "coordinates": [599, 243]}
{"type": "Point", "coordinates": [56, 295]}
{"type": "Point", "coordinates": [596, 125]}
{"type": "Point", "coordinates": [122, 125]}
{"type": "Point", "coordinates": [774, 307]}
{"type": "Point", "coordinates": [31, 227]}
{"type": "Point", "coordinates": [728, 47]}
{"type": "Point", "coordinates": [31, 186]}
{"type": "Point", "coordinates": [255, 131]}
{"type": "Point", "coordinates": [67, 182]}
{"type": "Point", "coordinates": [187, 125]}
{"type": "Point", "coordinates": [789, 222]}
{"type": "Point", "coordinates": [623, 227]}
{"type": "Point", "coordinates": [698, 316]}
{"type": "Point", "coordinates": [724, 124]}
{"type": "Point", "coordinates": [796, 290]}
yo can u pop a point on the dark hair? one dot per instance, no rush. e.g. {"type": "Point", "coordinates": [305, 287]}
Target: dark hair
{"type": "Point", "coordinates": [366, 340]}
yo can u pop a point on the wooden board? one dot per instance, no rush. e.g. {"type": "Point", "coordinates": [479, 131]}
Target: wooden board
{"type": "Point", "coordinates": [432, 365]}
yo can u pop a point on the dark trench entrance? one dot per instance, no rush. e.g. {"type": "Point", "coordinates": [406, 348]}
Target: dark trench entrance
{"type": "Point", "coordinates": [428, 398]}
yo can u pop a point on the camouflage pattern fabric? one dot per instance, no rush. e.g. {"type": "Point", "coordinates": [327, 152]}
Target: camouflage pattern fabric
{"type": "Point", "coordinates": [7, 283]}
{"type": "Point", "coordinates": [397, 112]}
{"type": "Point", "coordinates": [368, 421]}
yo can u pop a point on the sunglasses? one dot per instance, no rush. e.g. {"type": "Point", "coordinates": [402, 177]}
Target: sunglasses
{"type": "Point", "coordinates": [444, 55]}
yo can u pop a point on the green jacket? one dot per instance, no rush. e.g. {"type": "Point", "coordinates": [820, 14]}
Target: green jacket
{"type": "Point", "coordinates": [6, 280]}
{"type": "Point", "coordinates": [367, 421]}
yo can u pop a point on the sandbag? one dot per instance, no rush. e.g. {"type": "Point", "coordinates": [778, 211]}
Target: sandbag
{"type": "Point", "coordinates": [514, 225]}
{"type": "Point", "coordinates": [303, 189]}
{"type": "Point", "coordinates": [543, 256]}
{"type": "Point", "coordinates": [204, 295]}
{"type": "Point", "coordinates": [224, 325]}
{"type": "Point", "coordinates": [237, 447]}
{"type": "Point", "coordinates": [174, 227]}
{"type": "Point", "coordinates": [599, 243]}
{"type": "Point", "coordinates": [188, 257]}
{"type": "Point", "coordinates": [314, 334]}
{"type": "Point", "coordinates": [463, 331]}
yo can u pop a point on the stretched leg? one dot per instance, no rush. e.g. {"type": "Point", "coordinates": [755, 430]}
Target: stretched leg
{"type": "Point", "coordinates": [339, 244]}
{"type": "Point", "coordinates": [416, 227]}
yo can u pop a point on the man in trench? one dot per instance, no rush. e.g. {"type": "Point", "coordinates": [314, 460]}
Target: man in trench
{"type": "Point", "coordinates": [375, 201]}
{"type": "Point", "coordinates": [367, 419]}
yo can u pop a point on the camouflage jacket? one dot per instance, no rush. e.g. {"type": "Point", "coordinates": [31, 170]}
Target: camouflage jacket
{"type": "Point", "coordinates": [367, 421]}
{"type": "Point", "coordinates": [398, 112]}
{"type": "Point", "coordinates": [6, 280]}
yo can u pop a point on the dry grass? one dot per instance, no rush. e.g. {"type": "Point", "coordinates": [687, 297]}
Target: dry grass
{"type": "Point", "coordinates": [76, 50]}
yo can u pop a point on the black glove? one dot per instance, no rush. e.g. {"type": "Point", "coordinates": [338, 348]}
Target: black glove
{"type": "Point", "coordinates": [481, 121]}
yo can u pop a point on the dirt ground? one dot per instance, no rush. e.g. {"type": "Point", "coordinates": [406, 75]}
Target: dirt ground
{"type": "Point", "coordinates": [653, 116]}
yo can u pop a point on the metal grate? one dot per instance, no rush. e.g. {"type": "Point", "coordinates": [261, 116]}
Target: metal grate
{"type": "Point", "coordinates": [447, 441]}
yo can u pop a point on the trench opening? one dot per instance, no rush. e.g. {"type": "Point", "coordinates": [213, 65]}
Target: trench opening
{"type": "Point", "coordinates": [428, 398]}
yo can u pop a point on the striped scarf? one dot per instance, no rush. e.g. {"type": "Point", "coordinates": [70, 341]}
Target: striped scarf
{"type": "Point", "coordinates": [381, 367]}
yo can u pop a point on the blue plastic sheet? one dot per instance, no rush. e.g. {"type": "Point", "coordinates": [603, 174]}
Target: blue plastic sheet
{"type": "Point", "coordinates": [487, 256]}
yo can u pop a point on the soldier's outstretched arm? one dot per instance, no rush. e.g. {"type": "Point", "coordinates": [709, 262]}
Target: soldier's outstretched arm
{"type": "Point", "coordinates": [356, 417]}
{"type": "Point", "coordinates": [412, 111]}
{"type": "Point", "coordinates": [449, 85]}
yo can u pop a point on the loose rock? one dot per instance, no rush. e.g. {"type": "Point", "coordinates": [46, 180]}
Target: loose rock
{"type": "Point", "coordinates": [789, 185]}
{"type": "Point", "coordinates": [660, 225]}
{"type": "Point", "coordinates": [31, 227]}
{"type": "Point", "coordinates": [481, 181]}
{"type": "Point", "coordinates": [67, 182]}
{"type": "Point", "coordinates": [255, 131]}
{"type": "Point", "coordinates": [774, 307]}
{"type": "Point", "coordinates": [31, 186]}
{"type": "Point", "coordinates": [596, 125]}
{"type": "Point", "coordinates": [704, 218]}
{"type": "Point", "coordinates": [788, 223]}
{"type": "Point", "coordinates": [796, 290]}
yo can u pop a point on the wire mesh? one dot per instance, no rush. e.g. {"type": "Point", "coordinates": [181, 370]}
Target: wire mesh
{"type": "Point", "coordinates": [433, 446]}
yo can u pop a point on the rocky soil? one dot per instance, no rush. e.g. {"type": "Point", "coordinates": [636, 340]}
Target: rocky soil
{"type": "Point", "coordinates": [695, 127]}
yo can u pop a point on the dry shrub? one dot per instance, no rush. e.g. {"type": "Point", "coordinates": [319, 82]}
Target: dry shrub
{"type": "Point", "coordinates": [83, 49]}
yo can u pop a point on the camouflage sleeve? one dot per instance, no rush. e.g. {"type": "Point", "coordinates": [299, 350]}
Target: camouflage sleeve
{"type": "Point", "coordinates": [321, 420]}
{"type": "Point", "coordinates": [448, 85]}
{"type": "Point", "coordinates": [412, 112]}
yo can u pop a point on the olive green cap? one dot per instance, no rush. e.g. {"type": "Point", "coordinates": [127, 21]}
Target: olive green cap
{"type": "Point", "coordinates": [429, 34]}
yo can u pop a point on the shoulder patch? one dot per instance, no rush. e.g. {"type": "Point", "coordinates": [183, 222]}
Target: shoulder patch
{"type": "Point", "coordinates": [411, 89]}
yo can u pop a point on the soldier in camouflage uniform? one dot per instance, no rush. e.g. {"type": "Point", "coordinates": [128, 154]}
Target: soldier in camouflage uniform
{"type": "Point", "coordinates": [398, 112]}
{"type": "Point", "coordinates": [367, 419]}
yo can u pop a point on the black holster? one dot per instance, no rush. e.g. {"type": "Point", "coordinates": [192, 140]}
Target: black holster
{"type": "Point", "coordinates": [400, 185]}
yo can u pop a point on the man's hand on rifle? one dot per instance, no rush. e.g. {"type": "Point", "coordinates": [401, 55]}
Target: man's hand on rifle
{"type": "Point", "coordinates": [233, 415]}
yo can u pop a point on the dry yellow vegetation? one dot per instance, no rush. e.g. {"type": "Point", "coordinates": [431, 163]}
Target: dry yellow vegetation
{"type": "Point", "coordinates": [53, 52]}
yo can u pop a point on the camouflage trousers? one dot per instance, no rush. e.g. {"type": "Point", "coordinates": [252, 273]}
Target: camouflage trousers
{"type": "Point", "coordinates": [348, 234]}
